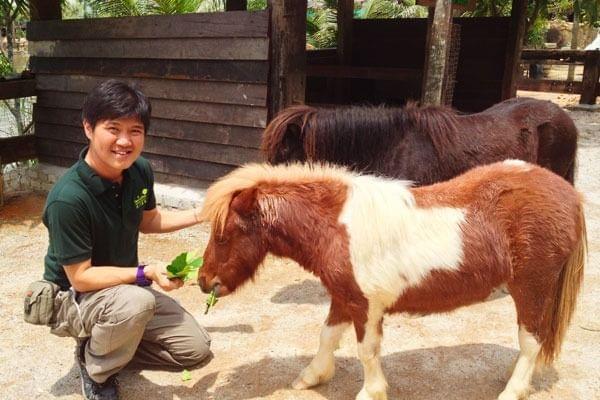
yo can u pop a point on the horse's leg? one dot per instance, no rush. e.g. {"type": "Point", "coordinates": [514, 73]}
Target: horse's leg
{"type": "Point", "coordinates": [518, 384]}
{"type": "Point", "coordinates": [375, 385]}
{"type": "Point", "coordinates": [322, 367]}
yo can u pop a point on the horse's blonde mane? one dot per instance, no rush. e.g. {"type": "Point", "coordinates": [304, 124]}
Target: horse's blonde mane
{"type": "Point", "coordinates": [220, 194]}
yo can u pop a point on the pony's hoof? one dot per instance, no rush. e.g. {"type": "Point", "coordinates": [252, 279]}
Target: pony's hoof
{"type": "Point", "coordinates": [308, 378]}
{"type": "Point", "coordinates": [299, 384]}
{"type": "Point", "coordinates": [508, 395]}
{"type": "Point", "coordinates": [364, 395]}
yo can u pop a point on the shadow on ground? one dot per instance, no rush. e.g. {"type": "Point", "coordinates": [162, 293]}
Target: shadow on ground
{"type": "Point", "coordinates": [471, 371]}
{"type": "Point", "coordinates": [305, 292]}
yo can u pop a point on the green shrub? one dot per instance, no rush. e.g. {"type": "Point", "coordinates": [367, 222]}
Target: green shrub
{"type": "Point", "coordinates": [5, 65]}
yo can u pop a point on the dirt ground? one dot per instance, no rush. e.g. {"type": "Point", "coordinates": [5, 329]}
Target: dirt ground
{"type": "Point", "coordinates": [265, 334]}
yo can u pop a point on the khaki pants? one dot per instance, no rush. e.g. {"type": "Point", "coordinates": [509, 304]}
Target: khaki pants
{"type": "Point", "coordinates": [126, 323]}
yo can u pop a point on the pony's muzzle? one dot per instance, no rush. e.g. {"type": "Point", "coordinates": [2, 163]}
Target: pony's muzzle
{"type": "Point", "coordinates": [207, 286]}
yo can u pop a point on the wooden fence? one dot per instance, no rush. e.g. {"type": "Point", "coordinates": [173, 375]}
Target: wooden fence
{"type": "Point", "coordinates": [588, 87]}
{"type": "Point", "coordinates": [205, 74]}
{"type": "Point", "coordinates": [17, 148]}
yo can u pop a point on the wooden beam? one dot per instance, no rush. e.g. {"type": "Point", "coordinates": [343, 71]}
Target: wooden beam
{"type": "Point", "coordinates": [591, 73]}
{"type": "Point", "coordinates": [196, 26]}
{"type": "Point", "coordinates": [439, 45]}
{"type": "Point", "coordinates": [209, 70]}
{"type": "Point", "coordinates": [341, 71]}
{"type": "Point", "coordinates": [17, 88]}
{"type": "Point", "coordinates": [549, 85]}
{"type": "Point", "coordinates": [43, 10]}
{"type": "Point", "coordinates": [549, 54]}
{"type": "Point", "coordinates": [17, 148]}
{"type": "Point", "coordinates": [513, 48]}
{"type": "Point", "coordinates": [249, 94]}
{"type": "Point", "coordinates": [212, 113]}
{"type": "Point", "coordinates": [236, 5]}
{"type": "Point", "coordinates": [287, 83]}
{"type": "Point", "coordinates": [182, 49]}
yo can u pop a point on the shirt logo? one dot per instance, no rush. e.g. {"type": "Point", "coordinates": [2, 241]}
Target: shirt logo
{"type": "Point", "coordinates": [141, 199]}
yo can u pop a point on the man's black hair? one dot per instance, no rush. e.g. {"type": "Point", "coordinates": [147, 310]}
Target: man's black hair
{"type": "Point", "coordinates": [113, 99]}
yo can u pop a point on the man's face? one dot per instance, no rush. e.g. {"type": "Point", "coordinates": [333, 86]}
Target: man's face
{"type": "Point", "coordinates": [114, 144]}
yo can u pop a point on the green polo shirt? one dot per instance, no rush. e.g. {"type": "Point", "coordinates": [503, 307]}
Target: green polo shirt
{"type": "Point", "coordinates": [91, 217]}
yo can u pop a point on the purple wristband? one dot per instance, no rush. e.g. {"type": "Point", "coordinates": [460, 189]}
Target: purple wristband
{"type": "Point", "coordinates": [140, 277]}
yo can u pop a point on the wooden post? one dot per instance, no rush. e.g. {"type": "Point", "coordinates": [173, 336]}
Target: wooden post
{"type": "Point", "coordinates": [236, 5]}
{"type": "Point", "coordinates": [345, 18]}
{"type": "Point", "coordinates": [430, 12]}
{"type": "Point", "coordinates": [42, 10]}
{"type": "Point", "coordinates": [591, 73]}
{"type": "Point", "coordinates": [513, 48]}
{"type": "Point", "coordinates": [1, 183]}
{"type": "Point", "coordinates": [287, 81]}
{"type": "Point", "coordinates": [438, 53]}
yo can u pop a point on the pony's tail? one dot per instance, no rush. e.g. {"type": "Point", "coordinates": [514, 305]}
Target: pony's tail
{"type": "Point", "coordinates": [563, 306]}
{"type": "Point", "coordinates": [287, 125]}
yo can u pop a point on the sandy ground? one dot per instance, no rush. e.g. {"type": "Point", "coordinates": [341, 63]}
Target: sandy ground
{"type": "Point", "coordinates": [265, 334]}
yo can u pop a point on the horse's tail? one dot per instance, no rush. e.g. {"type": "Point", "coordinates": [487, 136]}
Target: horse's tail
{"type": "Point", "coordinates": [561, 310]}
{"type": "Point", "coordinates": [288, 126]}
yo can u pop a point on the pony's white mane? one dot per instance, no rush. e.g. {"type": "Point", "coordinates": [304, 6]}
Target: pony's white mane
{"type": "Point", "coordinates": [220, 194]}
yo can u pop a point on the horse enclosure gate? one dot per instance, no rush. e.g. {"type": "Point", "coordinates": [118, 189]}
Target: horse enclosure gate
{"type": "Point", "coordinates": [206, 76]}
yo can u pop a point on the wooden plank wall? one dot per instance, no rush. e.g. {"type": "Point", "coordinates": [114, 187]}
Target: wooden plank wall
{"type": "Point", "coordinates": [400, 43]}
{"type": "Point", "coordinates": [205, 74]}
{"type": "Point", "coordinates": [481, 62]}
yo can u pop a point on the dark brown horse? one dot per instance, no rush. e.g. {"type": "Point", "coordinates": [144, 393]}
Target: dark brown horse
{"type": "Point", "coordinates": [428, 144]}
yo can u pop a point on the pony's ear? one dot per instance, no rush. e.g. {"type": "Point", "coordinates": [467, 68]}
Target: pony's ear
{"type": "Point", "coordinates": [244, 201]}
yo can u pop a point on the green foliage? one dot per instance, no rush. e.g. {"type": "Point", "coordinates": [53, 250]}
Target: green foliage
{"type": "Point", "coordinates": [590, 11]}
{"type": "Point", "coordinates": [321, 27]}
{"type": "Point", "coordinates": [120, 8]}
{"type": "Point", "coordinates": [184, 265]}
{"type": "Point", "coordinates": [186, 375]}
{"type": "Point", "coordinates": [374, 9]}
{"type": "Point", "coordinates": [6, 67]}
{"type": "Point", "coordinates": [537, 33]}
{"type": "Point", "coordinates": [254, 5]}
{"type": "Point", "coordinates": [166, 7]}
{"type": "Point", "coordinates": [212, 6]}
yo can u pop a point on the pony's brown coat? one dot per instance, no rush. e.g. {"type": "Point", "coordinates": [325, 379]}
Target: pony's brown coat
{"type": "Point", "coordinates": [524, 227]}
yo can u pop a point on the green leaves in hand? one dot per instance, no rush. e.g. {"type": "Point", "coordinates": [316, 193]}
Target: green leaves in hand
{"type": "Point", "coordinates": [184, 266]}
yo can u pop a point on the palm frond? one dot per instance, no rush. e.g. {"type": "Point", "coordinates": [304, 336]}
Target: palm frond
{"type": "Point", "coordinates": [167, 7]}
{"type": "Point", "coordinates": [212, 6]}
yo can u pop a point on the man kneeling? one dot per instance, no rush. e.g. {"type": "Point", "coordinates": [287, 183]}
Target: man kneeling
{"type": "Point", "coordinates": [94, 215]}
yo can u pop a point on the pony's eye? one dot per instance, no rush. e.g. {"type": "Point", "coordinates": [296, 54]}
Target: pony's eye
{"type": "Point", "coordinates": [221, 239]}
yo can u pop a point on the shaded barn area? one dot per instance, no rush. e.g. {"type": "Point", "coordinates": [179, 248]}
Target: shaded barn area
{"type": "Point", "coordinates": [205, 74]}
{"type": "Point", "coordinates": [388, 59]}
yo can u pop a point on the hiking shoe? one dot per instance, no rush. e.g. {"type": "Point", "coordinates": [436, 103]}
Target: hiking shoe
{"type": "Point", "coordinates": [90, 389]}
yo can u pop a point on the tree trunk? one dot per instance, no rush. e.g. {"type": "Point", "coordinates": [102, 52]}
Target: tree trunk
{"type": "Point", "coordinates": [438, 52]}
{"type": "Point", "coordinates": [14, 106]}
{"type": "Point", "coordinates": [574, 37]}
{"type": "Point", "coordinates": [10, 51]}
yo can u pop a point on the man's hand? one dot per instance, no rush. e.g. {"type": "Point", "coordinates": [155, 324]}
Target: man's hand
{"type": "Point", "coordinates": [158, 274]}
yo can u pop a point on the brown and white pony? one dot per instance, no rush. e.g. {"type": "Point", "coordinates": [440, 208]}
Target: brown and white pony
{"type": "Point", "coordinates": [379, 247]}
{"type": "Point", "coordinates": [424, 144]}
